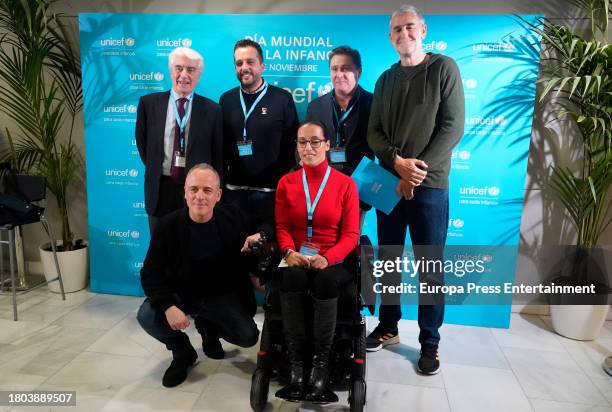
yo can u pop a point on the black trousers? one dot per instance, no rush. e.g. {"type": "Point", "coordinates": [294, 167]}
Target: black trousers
{"type": "Point", "coordinates": [323, 284]}
{"type": "Point", "coordinates": [226, 314]}
{"type": "Point", "coordinates": [258, 206]}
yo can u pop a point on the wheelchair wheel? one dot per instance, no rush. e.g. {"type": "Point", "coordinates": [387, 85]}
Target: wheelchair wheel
{"type": "Point", "coordinates": [260, 384]}
{"type": "Point", "coordinates": [357, 395]}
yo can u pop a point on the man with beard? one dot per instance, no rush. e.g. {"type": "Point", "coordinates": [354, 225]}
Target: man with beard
{"type": "Point", "coordinates": [194, 267]}
{"type": "Point", "coordinates": [259, 128]}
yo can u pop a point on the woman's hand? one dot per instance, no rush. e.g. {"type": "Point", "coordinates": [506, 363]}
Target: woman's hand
{"type": "Point", "coordinates": [318, 262]}
{"type": "Point", "coordinates": [297, 259]}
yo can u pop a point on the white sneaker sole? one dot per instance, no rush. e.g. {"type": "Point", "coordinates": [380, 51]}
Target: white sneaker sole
{"type": "Point", "coordinates": [428, 373]}
{"type": "Point", "coordinates": [391, 341]}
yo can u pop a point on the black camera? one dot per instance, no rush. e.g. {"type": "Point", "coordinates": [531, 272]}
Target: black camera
{"type": "Point", "coordinates": [263, 252]}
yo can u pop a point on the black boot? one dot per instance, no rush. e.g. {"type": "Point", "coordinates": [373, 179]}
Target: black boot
{"type": "Point", "coordinates": [177, 371]}
{"type": "Point", "coordinates": [210, 338]}
{"type": "Point", "coordinates": [293, 328]}
{"type": "Point", "coordinates": [325, 313]}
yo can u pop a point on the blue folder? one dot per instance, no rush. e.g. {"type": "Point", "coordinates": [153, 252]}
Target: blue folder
{"type": "Point", "coordinates": [376, 185]}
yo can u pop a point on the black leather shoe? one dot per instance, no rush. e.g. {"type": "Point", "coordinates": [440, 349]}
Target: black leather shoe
{"type": "Point", "coordinates": [319, 392]}
{"type": "Point", "coordinates": [177, 371]}
{"type": "Point", "coordinates": [294, 391]}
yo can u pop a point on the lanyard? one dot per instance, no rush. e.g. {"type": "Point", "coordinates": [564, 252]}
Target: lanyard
{"type": "Point", "coordinates": [310, 207]}
{"type": "Point", "coordinates": [182, 122]}
{"type": "Point", "coordinates": [340, 121]}
{"type": "Point", "coordinates": [244, 110]}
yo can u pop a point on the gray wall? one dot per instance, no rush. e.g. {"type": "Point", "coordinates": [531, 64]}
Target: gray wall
{"type": "Point", "coordinates": [543, 220]}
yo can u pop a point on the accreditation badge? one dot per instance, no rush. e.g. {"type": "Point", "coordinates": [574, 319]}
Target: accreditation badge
{"type": "Point", "coordinates": [337, 155]}
{"type": "Point", "coordinates": [245, 148]}
{"type": "Point", "coordinates": [179, 159]}
{"type": "Point", "coordinates": [309, 249]}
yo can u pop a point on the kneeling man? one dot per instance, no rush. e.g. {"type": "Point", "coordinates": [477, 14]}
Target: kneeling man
{"type": "Point", "coordinates": [194, 267]}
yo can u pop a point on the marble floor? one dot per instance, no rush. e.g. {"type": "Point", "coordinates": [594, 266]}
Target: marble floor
{"type": "Point", "coordinates": [93, 345]}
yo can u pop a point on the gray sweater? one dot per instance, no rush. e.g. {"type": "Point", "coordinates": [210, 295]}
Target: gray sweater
{"type": "Point", "coordinates": [419, 112]}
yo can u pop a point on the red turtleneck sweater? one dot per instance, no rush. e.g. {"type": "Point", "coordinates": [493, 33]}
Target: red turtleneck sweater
{"type": "Point", "coordinates": [336, 218]}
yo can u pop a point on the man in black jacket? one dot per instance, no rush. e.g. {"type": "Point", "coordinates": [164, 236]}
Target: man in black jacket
{"type": "Point", "coordinates": [345, 112]}
{"type": "Point", "coordinates": [259, 128]}
{"type": "Point", "coordinates": [194, 267]}
{"type": "Point", "coordinates": [175, 130]}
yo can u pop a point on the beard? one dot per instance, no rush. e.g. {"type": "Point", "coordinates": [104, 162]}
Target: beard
{"type": "Point", "coordinates": [245, 83]}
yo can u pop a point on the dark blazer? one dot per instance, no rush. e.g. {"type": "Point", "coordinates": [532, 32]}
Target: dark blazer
{"type": "Point", "coordinates": [167, 268]}
{"type": "Point", "coordinates": [321, 109]}
{"type": "Point", "coordinates": [204, 142]}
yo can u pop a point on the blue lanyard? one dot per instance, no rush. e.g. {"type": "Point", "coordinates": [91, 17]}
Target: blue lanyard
{"type": "Point", "coordinates": [181, 122]}
{"type": "Point", "coordinates": [310, 207]}
{"type": "Point", "coordinates": [244, 110]}
{"type": "Point", "coordinates": [340, 121]}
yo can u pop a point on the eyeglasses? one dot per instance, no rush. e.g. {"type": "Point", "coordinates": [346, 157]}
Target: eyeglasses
{"type": "Point", "coordinates": [189, 69]}
{"type": "Point", "coordinates": [315, 143]}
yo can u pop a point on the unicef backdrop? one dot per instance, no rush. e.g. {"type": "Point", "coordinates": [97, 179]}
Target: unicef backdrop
{"type": "Point", "coordinates": [124, 56]}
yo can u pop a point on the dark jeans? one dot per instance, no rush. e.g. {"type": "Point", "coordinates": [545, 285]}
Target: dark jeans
{"type": "Point", "coordinates": [257, 205]}
{"type": "Point", "coordinates": [426, 217]}
{"type": "Point", "coordinates": [224, 317]}
{"type": "Point", "coordinates": [324, 284]}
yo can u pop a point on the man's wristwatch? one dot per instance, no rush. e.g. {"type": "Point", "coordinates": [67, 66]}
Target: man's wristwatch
{"type": "Point", "coordinates": [287, 253]}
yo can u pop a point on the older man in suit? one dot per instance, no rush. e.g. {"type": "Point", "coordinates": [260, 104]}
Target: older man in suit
{"type": "Point", "coordinates": [175, 130]}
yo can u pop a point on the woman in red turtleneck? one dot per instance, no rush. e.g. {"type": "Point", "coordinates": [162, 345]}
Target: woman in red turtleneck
{"type": "Point", "coordinates": [315, 253]}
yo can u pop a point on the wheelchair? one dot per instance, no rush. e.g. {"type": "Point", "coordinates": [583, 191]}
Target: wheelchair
{"type": "Point", "coordinates": [348, 354]}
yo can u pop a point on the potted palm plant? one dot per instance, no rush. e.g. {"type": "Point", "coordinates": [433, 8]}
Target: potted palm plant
{"type": "Point", "coordinates": [40, 91]}
{"type": "Point", "coordinates": [577, 86]}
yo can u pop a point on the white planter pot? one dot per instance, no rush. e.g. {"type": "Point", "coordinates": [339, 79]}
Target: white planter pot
{"type": "Point", "coordinates": [73, 265]}
{"type": "Point", "coordinates": [580, 322]}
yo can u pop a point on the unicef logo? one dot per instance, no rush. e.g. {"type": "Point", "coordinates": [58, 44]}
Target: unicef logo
{"type": "Point", "coordinates": [131, 109]}
{"type": "Point", "coordinates": [186, 42]}
{"type": "Point", "coordinates": [471, 83]}
{"type": "Point", "coordinates": [130, 42]}
{"type": "Point", "coordinates": [324, 89]}
{"type": "Point", "coordinates": [500, 120]}
{"type": "Point", "coordinates": [464, 155]}
{"type": "Point", "coordinates": [135, 234]}
{"type": "Point", "coordinates": [133, 173]}
{"type": "Point", "coordinates": [493, 191]}
{"type": "Point", "coordinates": [441, 45]}
{"type": "Point", "coordinates": [458, 223]}
{"type": "Point", "coordinates": [159, 76]}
